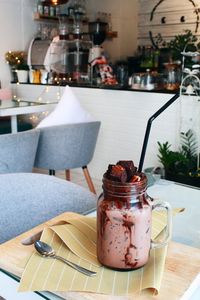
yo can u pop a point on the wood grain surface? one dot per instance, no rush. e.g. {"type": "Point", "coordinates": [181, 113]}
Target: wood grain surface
{"type": "Point", "coordinates": [182, 266]}
{"type": "Point", "coordinates": [168, 18]}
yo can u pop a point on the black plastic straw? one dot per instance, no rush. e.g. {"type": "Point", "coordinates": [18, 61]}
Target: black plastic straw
{"type": "Point", "coordinates": [148, 128]}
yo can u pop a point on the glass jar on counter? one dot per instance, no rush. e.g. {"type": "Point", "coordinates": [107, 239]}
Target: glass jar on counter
{"type": "Point", "coordinates": [122, 74]}
{"type": "Point", "coordinates": [124, 220]}
{"type": "Point", "coordinates": [172, 76]}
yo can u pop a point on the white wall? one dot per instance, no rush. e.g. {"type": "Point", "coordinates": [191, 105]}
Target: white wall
{"type": "Point", "coordinates": [16, 30]}
{"type": "Point", "coordinates": [124, 21]}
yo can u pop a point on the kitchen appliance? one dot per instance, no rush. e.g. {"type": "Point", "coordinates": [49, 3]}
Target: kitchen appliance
{"type": "Point", "coordinates": [63, 27]}
{"type": "Point", "coordinates": [69, 57]}
{"type": "Point", "coordinates": [37, 52]}
{"type": "Point", "coordinates": [97, 32]}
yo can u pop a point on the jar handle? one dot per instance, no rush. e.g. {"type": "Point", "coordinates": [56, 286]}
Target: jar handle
{"type": "Point", "coordinates": [164, 205]}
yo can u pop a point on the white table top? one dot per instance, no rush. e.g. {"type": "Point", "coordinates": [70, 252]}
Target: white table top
{"type": "Point", "coordinates": [11, 107]}
{"type": "Point", "coordinates": [186, 225]}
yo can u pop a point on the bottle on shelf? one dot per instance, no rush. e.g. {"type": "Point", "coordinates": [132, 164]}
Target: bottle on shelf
{"type": "Point", "coordinates": [46, 10]}
{"type": "Point", "coordinates": [52, 11]}
{"type": "Point", "coordinates": [40, 7]}
{"type": "Point", "coordinates": [57, 10]}
{"type": "Point", "coordinates": [147, 58]}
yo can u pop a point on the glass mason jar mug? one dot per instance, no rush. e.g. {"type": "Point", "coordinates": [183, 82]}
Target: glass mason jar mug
{"type": "Point", "coordinates": [124, 219]}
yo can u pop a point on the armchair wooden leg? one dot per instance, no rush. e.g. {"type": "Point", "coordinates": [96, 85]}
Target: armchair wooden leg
{"type": "Point", "coordinates": [67, 175]}
{"type": "Point", "coordinates": [52, 172]}
{"type": "Point", "coordinates": [88, 179]}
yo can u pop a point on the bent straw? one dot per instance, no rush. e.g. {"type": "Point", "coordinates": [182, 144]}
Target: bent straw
{"type": "Point", "coordinates": [148, 128]}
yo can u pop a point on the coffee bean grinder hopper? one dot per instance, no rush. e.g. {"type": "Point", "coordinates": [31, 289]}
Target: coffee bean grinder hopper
{"type": "Point", "coordinates": [97, 33]}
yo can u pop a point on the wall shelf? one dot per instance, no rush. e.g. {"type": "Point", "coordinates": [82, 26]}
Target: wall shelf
{"type": "Point", "coordinates": [42, 18]}
{"type": "Point", "coordinates": [112, 34]}
{"type": "Point", "coordinates": [39, 17]}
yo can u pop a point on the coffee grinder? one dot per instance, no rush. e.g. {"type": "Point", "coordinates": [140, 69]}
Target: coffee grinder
{"type": "Point", "coordinates": [97, 33]}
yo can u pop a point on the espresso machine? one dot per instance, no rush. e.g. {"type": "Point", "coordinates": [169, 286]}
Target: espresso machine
{"type": "Point", "coordinates": [70, 52]}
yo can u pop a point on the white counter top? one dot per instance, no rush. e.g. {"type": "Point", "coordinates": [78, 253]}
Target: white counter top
{"type": "Point", "coordinates": [186, 225]}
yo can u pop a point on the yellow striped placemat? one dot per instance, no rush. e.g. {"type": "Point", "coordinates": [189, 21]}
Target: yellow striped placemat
{"type": "Point", "coordinates": [75, 241]}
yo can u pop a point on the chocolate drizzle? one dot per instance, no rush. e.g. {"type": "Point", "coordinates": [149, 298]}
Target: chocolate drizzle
{"type": "Point", "coordinates": [128, 256]}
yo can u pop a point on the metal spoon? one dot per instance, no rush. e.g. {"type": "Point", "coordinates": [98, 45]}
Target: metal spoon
{"type": "Point", "coordinates": [47, 251]}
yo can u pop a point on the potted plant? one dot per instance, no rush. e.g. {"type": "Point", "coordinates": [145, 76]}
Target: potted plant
{"type": "Point", "coordinates": [181, 166]}
{"type": "Point", "coordinates": [171, 51]}
{"type": "Point", "coordinates": [17, 62]}
{"type": "Point", "coordinates": [22, 72]}
{"type": "Point", "coordinates": [182, 42]}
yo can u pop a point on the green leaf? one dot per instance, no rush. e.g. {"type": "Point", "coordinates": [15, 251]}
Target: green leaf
{"type": "Point", "coordinates": [183, 161]}
{"type": "Point", "coordinates": [189, 145]}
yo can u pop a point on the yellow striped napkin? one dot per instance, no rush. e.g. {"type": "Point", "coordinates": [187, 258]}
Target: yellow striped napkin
{"type": "Point", "coordinates": [76, 241]}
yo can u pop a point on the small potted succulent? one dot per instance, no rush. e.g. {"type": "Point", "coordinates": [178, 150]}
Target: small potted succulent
{"type": "Point", "coordinates": [181, 166]}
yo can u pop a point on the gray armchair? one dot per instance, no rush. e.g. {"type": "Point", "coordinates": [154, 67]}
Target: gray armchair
{"type": "Point", "coordinates": [29, 199]}
{"type": "Point", "coordinates": [18, 150]}
{"type": "Point", "coordinates": [69, 146]}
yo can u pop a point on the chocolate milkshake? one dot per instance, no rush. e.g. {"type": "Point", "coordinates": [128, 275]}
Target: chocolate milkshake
{"type": "Point", "coordinates": [124, 218]}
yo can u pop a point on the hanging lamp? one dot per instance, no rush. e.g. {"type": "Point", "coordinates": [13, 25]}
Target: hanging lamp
{"type": "Point", "coordinates": [55, 2]}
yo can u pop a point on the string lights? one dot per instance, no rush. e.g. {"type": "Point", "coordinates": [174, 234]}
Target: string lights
{"type": "Point", "coordinates": [45, 96]}
{"type": "Point", "coordinates": [15, 58]}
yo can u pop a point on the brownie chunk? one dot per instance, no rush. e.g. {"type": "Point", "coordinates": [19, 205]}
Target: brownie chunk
{"type": "Point", "coordinates": [129, 167]}
{"type": "Point", "coordinates": [116, 173]}
{"type": "Point", "coordinates": [124, 171]}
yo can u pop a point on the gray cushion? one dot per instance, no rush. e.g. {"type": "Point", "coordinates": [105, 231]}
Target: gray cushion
{"type": "Point", "coordinates": [27, 200]}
